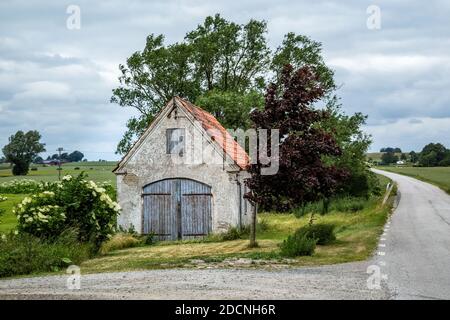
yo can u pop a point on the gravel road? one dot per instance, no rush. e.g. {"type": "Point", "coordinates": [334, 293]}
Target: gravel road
{"type": "Point", "coordinates": [345, 281]}
{"type": "Point", "coordinates": [412, 262]}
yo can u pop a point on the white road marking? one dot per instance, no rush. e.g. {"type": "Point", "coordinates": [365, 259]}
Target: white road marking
{"type": "Point", "coordinates": [382, 245]}
{"type": "Point", "coordinates": [382, 263]}
{"type": "Point", "coordinates": [382, 239]}
{"type": "Point", "coordinates": [381, 253]}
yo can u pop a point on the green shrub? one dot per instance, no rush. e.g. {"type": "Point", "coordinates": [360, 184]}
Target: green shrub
{"type": "Point", "coordinates": [232, 233]}
{"type": "Point", "coordinates": [348, 204]}
{"type": "Point", "coordinates": [74, 202]}
{"type": "Point", "coordinates": [150, 239]}
{"type": "Point", "coordinates": [310, 207]}
{"type": "Point", "coordinates": [34, 169]}
{"type": "Point", "coordinates": [295, 246]}
{"type": "Point", "coordinates": [119, 241]}
{"type": "Point", "coordinates": [23, 253]}
{"type": "Point", "coordinates": [341, 204]}
{"type": "Point", "coordinates": [322, 233]}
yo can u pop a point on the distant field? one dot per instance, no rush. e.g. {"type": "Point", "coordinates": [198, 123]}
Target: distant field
{"type": "Point", "coordinates": [376, 156]}
{"type": "Point", "coordinates": [439, 176]}
{"type": "Point", "coordinates": [96, 171]}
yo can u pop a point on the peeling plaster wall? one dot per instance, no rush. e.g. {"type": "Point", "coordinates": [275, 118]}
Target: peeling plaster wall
{"type": "Point", "coordinates": [150, 163]}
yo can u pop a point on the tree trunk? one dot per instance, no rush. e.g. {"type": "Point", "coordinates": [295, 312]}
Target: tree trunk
{"type": "Point", "coordinates": [253, 242]}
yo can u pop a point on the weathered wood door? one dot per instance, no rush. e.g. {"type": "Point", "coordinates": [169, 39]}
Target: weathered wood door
{"type": "Point", "coordinates": [177, 209]}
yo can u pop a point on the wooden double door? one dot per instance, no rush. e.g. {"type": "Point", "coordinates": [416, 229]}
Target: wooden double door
{"type": "Point", "coordinates": [176, 209]}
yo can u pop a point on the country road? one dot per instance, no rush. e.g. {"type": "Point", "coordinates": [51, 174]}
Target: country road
{"type": "Point", "coordinates": [412, 261]}
{"type": "Point", "coordinates": [417, 242]}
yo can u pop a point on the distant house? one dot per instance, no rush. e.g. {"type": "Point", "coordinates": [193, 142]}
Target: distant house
{"type": "Point", "coordinates": [54, 162]}
{"type": "Point", "coordinates": [400, 162]}
{"type": "Point", "coordinates": [184, 177]}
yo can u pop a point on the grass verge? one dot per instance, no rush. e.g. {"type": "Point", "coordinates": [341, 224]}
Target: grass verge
{"type": "Point", "coordinates": [357, 237]}
{"type": "Point", "coordinates": [438, 176]}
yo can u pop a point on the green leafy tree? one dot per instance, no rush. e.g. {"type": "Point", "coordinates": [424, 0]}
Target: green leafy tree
{"type": "Point", "coordinates": [413, 157]}
{"type": "Point", "coordinates": [432, 155]}
{"type": "Point", "coordinates": [300, 51]}
{"type": "Point", "coordinates": [38, 160]}
{"type": "Point", "coordinates": [65, 157]}
{"type": "Point", "coordinates": [22, 149]}
{"type": "Point", "coordinates": [221, 65]}
{"type": "Point", "coordinates": [218, 55]}
{"type": "Point", "coordinates": [228, 56]}
{"type": "Point", "coordinates": [232, 107]}
{"type": "Point", "coordinates": [390, 149]}
{"type": "Point", "coordinates": [76, 156]}
{"type": "Point", "coordinates": [354, 144]}
{"type": "Point", "coordinates": [389, 157]}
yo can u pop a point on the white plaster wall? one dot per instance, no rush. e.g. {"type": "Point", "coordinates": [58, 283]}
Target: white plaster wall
{"type": "Point", "coordinates": [150, 163]}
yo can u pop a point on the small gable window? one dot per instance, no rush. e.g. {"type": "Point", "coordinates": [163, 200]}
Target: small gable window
{"type": "Point", "coordinates": [175, 141]}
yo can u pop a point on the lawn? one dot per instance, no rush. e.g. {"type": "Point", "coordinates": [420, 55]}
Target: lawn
{"type": "Point", "coordinates": [357, 237]}
{"type": "Point", "coordinates": [439, 176]}
{"type": "Point", "coordinates": [97, 171]}
{"type": "Point", "coordinates": [8, 220]}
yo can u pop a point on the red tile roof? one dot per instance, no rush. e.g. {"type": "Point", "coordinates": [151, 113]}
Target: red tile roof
{"type": "Point", "coordinates": [218, 133]}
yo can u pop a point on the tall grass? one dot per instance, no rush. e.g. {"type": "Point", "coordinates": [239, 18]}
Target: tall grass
{"type": "Point", "coordinates": [24, 254]}
{"type": "Point", "coordinates": [119, 241]}
{"type": "Point", "coordinates": [344, 204]}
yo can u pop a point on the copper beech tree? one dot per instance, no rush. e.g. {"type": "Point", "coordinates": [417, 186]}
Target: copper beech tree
{"type": "Point", "coordinates": [304, 147]}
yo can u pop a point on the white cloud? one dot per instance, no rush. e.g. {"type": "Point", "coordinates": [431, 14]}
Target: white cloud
{"type": "Point", "coordinates": [398, 75]}
{"type": "Point", "coordinates": [44, 90]}
{"type": "Point", "coordinates": [388, 64]}
{"type": "Point", "coordinates": [410, 133]}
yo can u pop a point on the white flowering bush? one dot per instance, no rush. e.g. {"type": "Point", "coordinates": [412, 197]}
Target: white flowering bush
{"type": "Point", "coordinates": [23, 186]}
{"type": "Point", "coordinates": [74, 203]}
{"type": "Point", "coordinates": [39, 215]}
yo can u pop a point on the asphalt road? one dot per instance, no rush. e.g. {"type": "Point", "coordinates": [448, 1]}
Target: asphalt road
{"type": "Point", "coordinates": [415, 254]}
{"type": "Point", "coordinates": [412, 262]}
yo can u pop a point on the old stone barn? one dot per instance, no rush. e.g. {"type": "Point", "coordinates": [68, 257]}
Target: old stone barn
{"type": "Point", "coordinates": [184, 177]}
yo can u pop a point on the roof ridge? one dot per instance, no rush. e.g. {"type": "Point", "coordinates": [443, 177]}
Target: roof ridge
{"type": "Point", "coordinates": [225, 140]}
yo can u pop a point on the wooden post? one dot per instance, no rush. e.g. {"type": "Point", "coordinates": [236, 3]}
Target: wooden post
{"type": "Point", "coordinates": [253, 243]}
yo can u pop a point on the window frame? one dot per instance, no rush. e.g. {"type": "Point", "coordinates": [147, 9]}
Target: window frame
{"type": "Point", "coordinates": [169, 134]}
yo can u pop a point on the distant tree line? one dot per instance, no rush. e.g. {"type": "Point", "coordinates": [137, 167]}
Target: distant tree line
{"type": "Point", "coordinates": [75, 156]}
{"type": "Point", "coordinates": [391, 150]}
{"type": "Point", "coordinates": [23, 148]}
{"type": "Point", "coordinates": [432, 155]}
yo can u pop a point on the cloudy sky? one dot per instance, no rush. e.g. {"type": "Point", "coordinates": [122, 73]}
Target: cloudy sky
{"type": "Point", "coordinates": [59, 81]}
